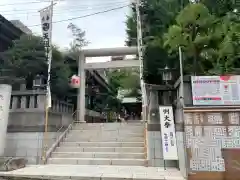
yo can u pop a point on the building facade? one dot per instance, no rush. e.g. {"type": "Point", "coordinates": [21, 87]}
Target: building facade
{"type": "Point", "coordinates": [21, 26]}
{"type": "Point", "coordinates": [8, 33]}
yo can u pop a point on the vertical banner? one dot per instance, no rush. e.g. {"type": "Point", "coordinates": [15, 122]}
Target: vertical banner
{"type": "Point", "coordinates": [46, 22]}
{"type": "Point", "coordinates": [168, 133]}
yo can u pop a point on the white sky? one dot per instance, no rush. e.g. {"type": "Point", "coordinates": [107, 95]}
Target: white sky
{"type": "Point", "coordinates": [102, 30]}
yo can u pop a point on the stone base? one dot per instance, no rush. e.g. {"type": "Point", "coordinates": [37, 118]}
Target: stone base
{"type": "Point", "coordinates": [10, 164]}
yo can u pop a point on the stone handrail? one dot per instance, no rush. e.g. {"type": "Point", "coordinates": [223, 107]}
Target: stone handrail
{"type": "Point", "coordinates": [145, 143]}
{"type": "Point", "coordinates": [57, 142]}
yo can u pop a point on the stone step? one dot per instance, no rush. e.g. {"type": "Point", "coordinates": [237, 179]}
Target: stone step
{"type": "Point", "coordinates": [97, 161]}
{"type": "Point", "coordinates": [110, 127]}
{"type": "Point", "coordinates": [109, 139]}
{"type": "Point", "coordinates": [119, 132]}
{"type": "Point", "coordinates": [109, 124]}
{"type": "Point", "coordinates": [102, 144]}
{"type": "Point", "coordinates": [112, 155]}
{"type": "Point", "coordinates": [101, 149]}
{"type": "Point", "coordinates": [124, 130]}
{"type": "Point", "coordinates": [104, 135]}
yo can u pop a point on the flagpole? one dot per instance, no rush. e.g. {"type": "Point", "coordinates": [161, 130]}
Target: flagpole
{"type": "Point", "coordinates": [48, 95]}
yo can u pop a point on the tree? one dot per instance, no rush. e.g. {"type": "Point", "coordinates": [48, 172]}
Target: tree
{"type": "Point", "coordinates": [78, 41]}
{"type": "Point", "coordinates": [192, 32]}
{"type": "Point", "coordinates": [207, 31]}
{"type": "Point", "coordinates": [26, 59]}
{"type": "Point", "coordinates": [125, 79]}
{"type": "Point", "coordinates": [220, 8]}
{"type": "Point", "coordinates": [157, 16]}
{"type": "Point", "coordinates": [208, 42]}
{"type": "Point", "coordinates": [224, 57]}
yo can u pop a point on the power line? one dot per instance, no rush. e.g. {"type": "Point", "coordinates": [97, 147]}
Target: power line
{"type": "Point", "coordinates": [31, 2]}
{"type": "Point", "coordinates": [60, 11]}
{"type": "Point", "coordinates": [34, 2]}
{"type": "Point", "coordinates": [72, 7]}
{"type": "Point", "coordinates": [80, 17]}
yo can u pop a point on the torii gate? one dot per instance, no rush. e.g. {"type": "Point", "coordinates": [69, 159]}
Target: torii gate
{"type": "Point", "coordinates": [82, 66]}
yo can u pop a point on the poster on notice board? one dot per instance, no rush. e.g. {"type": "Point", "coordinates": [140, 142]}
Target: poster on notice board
{"type": "Point", "coordinates": [215, 90]}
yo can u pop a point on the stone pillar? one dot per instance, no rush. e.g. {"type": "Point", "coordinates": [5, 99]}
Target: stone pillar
{"type": "Point", "coordinates": [32, 102]}
{"type": "Point", "coordinates": [179, 119]}
{"type": "Point", "coordinates": [41, 101]}
{"type": "Point", "coordinates": [14, 102]}
{"type": "Point", "coordinates": [181, 142]}
{"type": "Point", "coordinates": [153, 133]}
{"type": "Point", "coordinates": [155, 151]}
{"type": "Point", "coordinates": [82, 89]}
{"type": "Point", "coordinates": [5, 98]}
{"type": "Point", "coordinates": [23, 102]}
{"type": "Point", "coordinates": [22, 87]}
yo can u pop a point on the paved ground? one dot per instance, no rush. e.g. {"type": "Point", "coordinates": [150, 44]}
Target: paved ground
{"type": "Point", "coordinates": [79, 172]}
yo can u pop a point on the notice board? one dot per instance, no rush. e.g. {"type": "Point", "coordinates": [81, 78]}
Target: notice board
{"type": "Point", "coordinates": [215, 90]}
{"type": "Point", "coordinates": [213, 143]}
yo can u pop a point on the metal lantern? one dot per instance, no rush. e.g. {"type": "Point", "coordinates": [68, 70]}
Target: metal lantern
{"type": "Point", "coordinates": [167, 74]}
{"type": "Point", "coordinates": [75, 81]}
{"type": "Point", "coordinates": [38, 82]}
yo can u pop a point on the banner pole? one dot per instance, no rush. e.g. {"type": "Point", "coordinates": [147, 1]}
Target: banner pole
{"type": "Point", "coordinates": [48, 95]}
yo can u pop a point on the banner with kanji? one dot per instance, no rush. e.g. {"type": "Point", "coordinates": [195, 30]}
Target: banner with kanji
{"type": "Point", "coordinates": [46, 24]}
{"type": "Point", "coordinates": [168, 133]}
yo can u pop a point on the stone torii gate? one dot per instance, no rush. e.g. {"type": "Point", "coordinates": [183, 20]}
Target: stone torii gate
{"type": "Point", "coordinates": [82, 66]}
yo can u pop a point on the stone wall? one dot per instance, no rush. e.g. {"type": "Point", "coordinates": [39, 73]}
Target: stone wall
{"type": "Point", "coordinates": [26, 124]}
{"type": "Point", "coordinates": [28, 145]}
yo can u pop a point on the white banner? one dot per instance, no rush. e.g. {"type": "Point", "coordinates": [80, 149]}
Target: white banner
{"type": "Point", "coordinates": [46, 21]}
{"type": "Point", "coordinates": [216, 90]}
{"type": "Point", "coordinates": [168, 133]}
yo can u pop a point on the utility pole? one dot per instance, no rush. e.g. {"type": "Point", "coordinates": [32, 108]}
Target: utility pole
{"type": "Point", "coordinates": [141, 54]}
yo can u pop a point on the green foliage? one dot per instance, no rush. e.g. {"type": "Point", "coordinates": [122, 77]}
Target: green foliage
{"type": "Point", "coordinates": [207, 31]}
{"type": "Point", "coordinates": [157, 16]}
{"type": "Point", "coordinates": [210, 43]}
{"type": "Point", "coordinates": [27, 56]}
{"type": "Point", "coordinates": [125, 79]}
{"type": "Point", "coordinates": [220, 8]}
{"type": "Point", "coordinates": [192, 33]}
{"type": "Point", "coordinates": [27, 59]}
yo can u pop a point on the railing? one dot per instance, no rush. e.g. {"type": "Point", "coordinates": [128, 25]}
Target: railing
{"type": "Point", "coordinates": [145, 142]}
{"type": "Point", "coordinates": [59, 139]}
{"type": "Point", "coordinates": [57, 143]}
{"type": "Point", "coordinates": [32, 99]}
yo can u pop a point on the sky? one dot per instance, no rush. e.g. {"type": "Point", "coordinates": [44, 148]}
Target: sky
{"type": "Point", "coordinates": [102, 30]}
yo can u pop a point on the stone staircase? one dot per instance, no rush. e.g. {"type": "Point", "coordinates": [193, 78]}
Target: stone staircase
{"type": "Point", "coordinates": [110, 151]}
{"type": "Point", "coordinates": [120, 144]}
